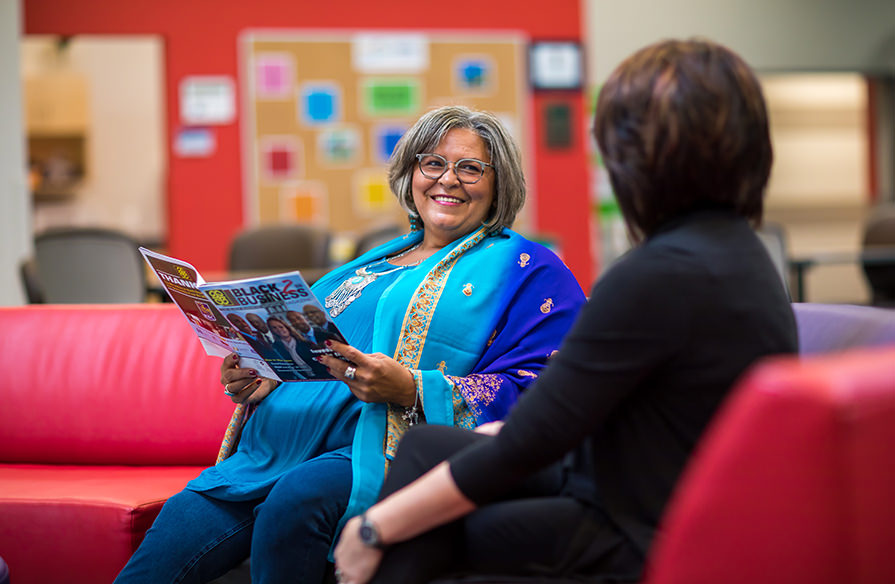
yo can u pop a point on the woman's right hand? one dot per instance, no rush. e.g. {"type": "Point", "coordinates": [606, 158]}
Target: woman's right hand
{"type": "Point", "coordinates": [244, 385]}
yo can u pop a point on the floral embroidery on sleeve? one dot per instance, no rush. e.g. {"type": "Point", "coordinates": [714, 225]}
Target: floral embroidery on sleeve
{"type": "Point", "coordinates": [476, 390]}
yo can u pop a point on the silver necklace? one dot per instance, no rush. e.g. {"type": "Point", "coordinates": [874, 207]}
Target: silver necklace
{"type": "Point", "coordinates": [350, 290]}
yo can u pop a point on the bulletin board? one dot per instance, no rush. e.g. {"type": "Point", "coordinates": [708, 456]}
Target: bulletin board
{"type": "Point", "coordinates": [323, 113]}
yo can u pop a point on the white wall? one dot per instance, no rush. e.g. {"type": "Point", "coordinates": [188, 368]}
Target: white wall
{"type": "Point", "coordinates": [772, 35]}
{"type": "Point", "coordinates": [124, 184]}
{"type": "Point", "coordinates": [15, 218]}
{"type": "Point", "coordinates": [819, 184]}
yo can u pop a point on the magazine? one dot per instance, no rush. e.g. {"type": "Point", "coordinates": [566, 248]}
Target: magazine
{"type": "Point", "coordinates": [275, 323]}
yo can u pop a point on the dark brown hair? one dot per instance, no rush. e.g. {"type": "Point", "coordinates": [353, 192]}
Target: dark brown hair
{"type": "Point", "coordinates": [682, 125]}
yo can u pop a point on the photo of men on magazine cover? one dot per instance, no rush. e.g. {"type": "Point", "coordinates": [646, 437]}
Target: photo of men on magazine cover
{"type": "Point", "coordinates": [275, 323]}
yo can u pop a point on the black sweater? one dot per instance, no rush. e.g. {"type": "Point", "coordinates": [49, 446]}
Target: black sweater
{"type": "Point", "coordinates": [666, 333]}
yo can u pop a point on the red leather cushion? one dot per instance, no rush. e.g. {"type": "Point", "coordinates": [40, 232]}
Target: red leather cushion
{"type": "Point", "coordinates": [79, 524]}
{"type": "Point", "coordinates": [107, 384]}
{"type": "Point", "coordinates": [794, 481]}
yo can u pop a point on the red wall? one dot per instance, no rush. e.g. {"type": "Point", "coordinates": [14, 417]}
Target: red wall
{"type": "Point", "coordinates": [205, 195]}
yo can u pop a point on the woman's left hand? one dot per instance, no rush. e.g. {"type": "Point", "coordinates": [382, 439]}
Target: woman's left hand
{"type": "Point", "coordinates": [371, 377]}
{"type": "Point", "coordinates": [356, 563]}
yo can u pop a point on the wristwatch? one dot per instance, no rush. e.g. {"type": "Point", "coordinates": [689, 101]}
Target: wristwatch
{"type": "Point", "coordinates": [369, 534]}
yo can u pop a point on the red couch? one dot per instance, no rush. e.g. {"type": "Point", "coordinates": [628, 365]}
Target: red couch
{"type": "Point", "coordinates": [106, 412]}
{"type": "Point", "coordinates": [109, 410]}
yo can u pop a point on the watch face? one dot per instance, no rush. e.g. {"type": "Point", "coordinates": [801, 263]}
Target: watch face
{"type": "Point", "coordinates": [368, 534]}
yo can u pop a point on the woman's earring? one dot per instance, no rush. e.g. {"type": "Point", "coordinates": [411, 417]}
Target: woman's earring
{"type": "Point", "coordinates": [414, 222]}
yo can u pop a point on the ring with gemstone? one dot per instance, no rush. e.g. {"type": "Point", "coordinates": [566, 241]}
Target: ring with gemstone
{"type": "Point", "coordinates": [350, 371]}
{"type": "Point", "coordinates": [227, 391]}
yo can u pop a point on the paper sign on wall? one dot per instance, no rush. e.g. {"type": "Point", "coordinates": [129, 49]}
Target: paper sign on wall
{"type": "Point", "coordinates": [206, 100]}
{"type": "Point", "coordinates": [555, 65]}
{"type": "Point", "coordinates": [194, 142]}
{"type": "Point", "coordinates": [390, 53]}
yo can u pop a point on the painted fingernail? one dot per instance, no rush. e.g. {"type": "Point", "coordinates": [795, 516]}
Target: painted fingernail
{"type": "Point", "coordinates": [328, 343]}
{"type": "Point", "coordinates": [253, 373]}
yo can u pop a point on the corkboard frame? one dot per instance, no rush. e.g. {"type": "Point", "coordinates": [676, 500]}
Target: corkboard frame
{"type": "Point", "coordinates": [326, 58]}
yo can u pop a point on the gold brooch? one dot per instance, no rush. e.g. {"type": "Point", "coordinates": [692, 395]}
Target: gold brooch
{"type": "Point", "coordinates": [524, 258]}
{"type": "Point", "coordinates": [547, 306]}
{"type": "Point", "coordinates": [467, 289]}
{"type": "Point", "coordinates": [441, 366]}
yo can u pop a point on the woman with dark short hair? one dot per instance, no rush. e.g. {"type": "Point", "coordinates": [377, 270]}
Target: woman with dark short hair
{"type": "Point", "coordinates": [575, 482]}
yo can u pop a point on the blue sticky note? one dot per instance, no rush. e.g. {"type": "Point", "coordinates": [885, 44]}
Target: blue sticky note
{"type": "Point", "coordinates": [321, 105]}
{"type": "Point", "coordinates": [472, 74]}
{"type": "Point", "coordinates": [386, 141]}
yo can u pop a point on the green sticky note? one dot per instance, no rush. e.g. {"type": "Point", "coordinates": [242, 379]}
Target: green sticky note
{"type": "Point", "coordinates": [392, 97]}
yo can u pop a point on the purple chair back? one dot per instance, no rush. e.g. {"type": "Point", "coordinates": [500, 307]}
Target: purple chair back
{"type": "Point", "coordinates": [825, 328]}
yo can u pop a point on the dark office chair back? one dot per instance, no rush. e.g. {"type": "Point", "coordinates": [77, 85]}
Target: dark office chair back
{"type": "Point", "coordinates": [84, 265]}
{"type": "Point", "coordinates": [879, 236]}
{"type": "Point", "coordinates": [280, 248]}
{"type": "Point", "coordinates": [377, 236]}
{"type": "Point", "coordinates": [30, 282]}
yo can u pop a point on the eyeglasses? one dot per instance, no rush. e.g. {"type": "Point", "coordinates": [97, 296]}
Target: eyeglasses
{"type": "Point", "coordinates": [468, 170]}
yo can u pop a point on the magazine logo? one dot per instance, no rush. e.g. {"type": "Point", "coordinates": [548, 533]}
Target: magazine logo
{"type": "Point", "coordinates": [221, 297]}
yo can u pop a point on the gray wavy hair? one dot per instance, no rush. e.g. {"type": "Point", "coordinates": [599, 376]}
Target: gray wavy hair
{"type": "Point", "coordinates": [430, 130]}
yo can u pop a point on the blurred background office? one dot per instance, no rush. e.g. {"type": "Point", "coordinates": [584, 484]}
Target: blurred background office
{"type": "Point", "coordinates": [182, 124]}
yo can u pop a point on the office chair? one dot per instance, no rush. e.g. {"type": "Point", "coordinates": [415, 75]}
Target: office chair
{"type": "Point", "coordinates": [86, 265]}
{"type": "Point", "coordinates": [280, 248]}
{"type": "Point", "coordinates": [377, 236]}
{"type": "Point", "coordinates": [879, 255]}
{"type": "Point", "coordinates": [30, 282]}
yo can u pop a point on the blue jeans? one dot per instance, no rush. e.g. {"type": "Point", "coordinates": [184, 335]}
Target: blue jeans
{"type": "Point", "coordinates": [197, 538]}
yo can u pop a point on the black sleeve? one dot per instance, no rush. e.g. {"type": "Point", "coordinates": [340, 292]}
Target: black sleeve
{"type": "Point", "coordinates": [622, 335]}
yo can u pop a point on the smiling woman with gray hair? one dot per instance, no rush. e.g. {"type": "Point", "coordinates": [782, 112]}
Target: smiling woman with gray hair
{"type": "Point", "coordinates": [448, 324]}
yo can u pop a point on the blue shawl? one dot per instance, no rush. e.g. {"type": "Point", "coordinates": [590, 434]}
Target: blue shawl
{"type": "Point", "coordinates": [475, 328]}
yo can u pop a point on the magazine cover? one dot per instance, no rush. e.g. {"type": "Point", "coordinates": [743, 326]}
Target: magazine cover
{"type": "Point", "coordinates": [275, 323]}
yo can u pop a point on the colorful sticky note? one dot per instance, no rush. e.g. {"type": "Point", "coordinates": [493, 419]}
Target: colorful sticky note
{"type": "Point", "coordinates": [373, 194]}
{"type": "Point", "coordinates": [274, 73]}
{"type": "Point", "coordinates": [302, 202]}
{"type": "Point", "coordinates": [320, 104]}
{"type": "Point", "coordinates": [338, 147]}
{"type": "Point", "coordinates": [473, 74]}
{"type": "Point", "coordinates": [391, 96]}
{"type": "Point", "coordinates": [385, 139]}
{"type": "Point", "coordinates": [280, 157]}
